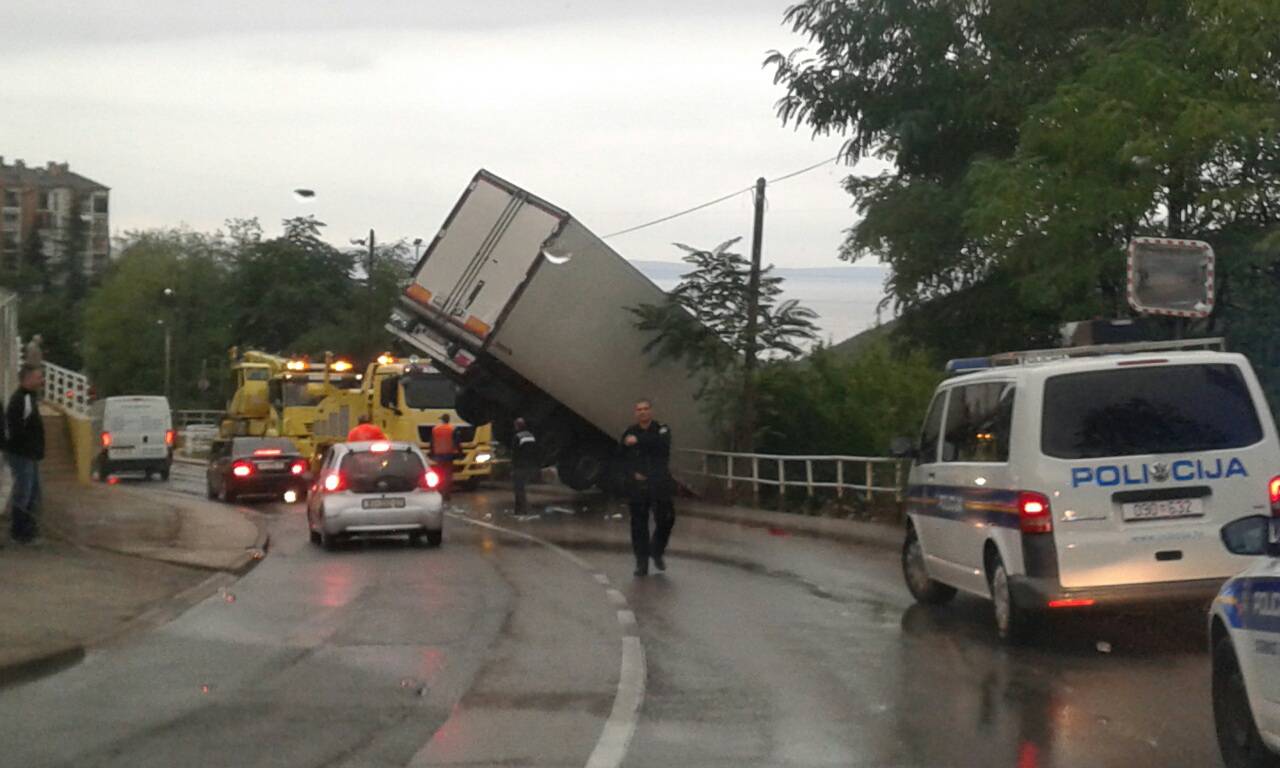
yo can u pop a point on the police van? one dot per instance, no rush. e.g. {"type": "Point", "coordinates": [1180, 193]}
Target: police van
{"type": "Point", "coordinates": [1074, 479]}
{"type": "Point", "coordinates": [1244, 636]}
{"type": "Point", "coordinates": [135, 434]}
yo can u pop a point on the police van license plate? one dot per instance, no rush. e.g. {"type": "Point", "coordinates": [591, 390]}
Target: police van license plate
{"type": "Point", "coordinates": [382, 503]}
{"type": "Point", "coordinates": [1163, 509]}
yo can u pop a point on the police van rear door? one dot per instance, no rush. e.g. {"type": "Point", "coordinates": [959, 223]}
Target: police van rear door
{"type": "Point", "coordinates": [1146, 458]}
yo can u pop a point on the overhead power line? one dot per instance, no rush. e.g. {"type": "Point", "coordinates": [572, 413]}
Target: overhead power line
{"type": "Point", "coordinates": [718, 200]}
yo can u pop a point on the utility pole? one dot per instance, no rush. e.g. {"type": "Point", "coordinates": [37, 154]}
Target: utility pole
{"type": "Point", "coordinates": [368, 310]}
{"type": "Point", "coordinates": [748, 424]}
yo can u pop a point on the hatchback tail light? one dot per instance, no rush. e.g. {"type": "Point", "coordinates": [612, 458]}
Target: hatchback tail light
{"type": "Point", "coordinates": [1273, 491]}
{"type": "Point", "coordinates": [169, 437]}
{"type": "Point", "coordinates": [298, 467]}
{"type": "Point", "coordinates": [335, 481]}
{"type": "Point", "coordinates": [430, 480]}
{"type": "Point", "coordinates": [106, 443]}
{"type": "Point", "coordinates": [1033, 512]}
{"type": "Point", "coordinates": [242, 469]}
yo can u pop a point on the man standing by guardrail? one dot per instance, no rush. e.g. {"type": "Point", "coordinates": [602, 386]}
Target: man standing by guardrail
{"type": "Point", "coordinates": [25, 449]}
{"type": "Point", "coordinates": [646, 446]}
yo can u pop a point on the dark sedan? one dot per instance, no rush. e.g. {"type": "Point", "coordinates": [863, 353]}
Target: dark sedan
{"type": "Point", "coordinates": [257, 466]}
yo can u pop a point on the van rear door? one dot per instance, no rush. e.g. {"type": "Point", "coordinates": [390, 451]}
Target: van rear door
{"type": "Point", "coordinates": [489, 244]}
{"type": "Point", "coordinates": [137, 426]}
{"type": "Point", "coordinates": [1146, 461]}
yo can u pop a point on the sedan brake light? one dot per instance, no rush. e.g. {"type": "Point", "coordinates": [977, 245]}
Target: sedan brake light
{"type": "Point", "coordinates": [298, 467]}
{"type": "Point", "coordinates": [242, 469]}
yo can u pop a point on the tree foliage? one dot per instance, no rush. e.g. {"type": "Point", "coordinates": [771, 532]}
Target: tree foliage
{"type": "Point", "coordinates": [1031, 140]}
{"type": "Point", "coordinates": [291, 294]}
{"type": "Point", "coordinates": [703, 323]}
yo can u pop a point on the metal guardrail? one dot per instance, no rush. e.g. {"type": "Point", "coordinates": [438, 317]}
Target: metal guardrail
{"type": "Point", "coordinates": [189, 418]}
{"type": "Point", "coordinates": [67, 389]}
{"type": "Point", "coordinates": [763, 469]}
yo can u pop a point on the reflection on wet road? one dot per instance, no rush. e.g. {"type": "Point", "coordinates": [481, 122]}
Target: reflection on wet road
{"type": "Point", "coordinates": [759, 650]}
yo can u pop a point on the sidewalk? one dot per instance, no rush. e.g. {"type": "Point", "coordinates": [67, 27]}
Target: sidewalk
{"type": "Point", "coordinates": [116, 558]}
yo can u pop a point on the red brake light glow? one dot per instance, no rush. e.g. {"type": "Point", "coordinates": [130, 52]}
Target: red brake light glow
{"type": "Point", "coordinates": [334, 481]}
{"type": "Point", "coordinates": [242, 469]}
{"type": "Point", "coordinates": [1273, 490]}
{"type": "Point", "coordinates": [106, 443]}
{"type": "Point", "coordinates": [379, 447]}
{"type": "Point", "coordinates": [1071, 602]}
{"type": "Point", "coordinates": [267, 452]}
{"type": "Point", "coordinates": [169, 437]}
{"type": "Point", "coordinates": [430, 480]}
{"type": "Point", "coordinates": [298, 467]}
{"type": "Point", "coordinates": [1034, 513]}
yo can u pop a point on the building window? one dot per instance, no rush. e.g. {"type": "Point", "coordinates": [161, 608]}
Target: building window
{"type": "Point", "coordinates": [11, 198]}
{"type": "Point", "coordinates": [100, 204]}
{"type": "Point", "coordinates": [48, 201]}
{"type": "Point", "coordinates": [11, 220]}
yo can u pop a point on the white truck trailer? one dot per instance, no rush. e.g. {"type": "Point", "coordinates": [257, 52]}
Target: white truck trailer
{"type": "Point", "coordinates": [527, 310]}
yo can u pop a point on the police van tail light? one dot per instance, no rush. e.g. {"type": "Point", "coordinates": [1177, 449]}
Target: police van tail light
{"type": "Point", "coordinates": [1273, 491]}
{"type": "Point", "coordinates": [169, 437]}
{"type": "Point", "coordinates": [105, 437]}
{"type": "Point", "coordinates": [1033, 512]}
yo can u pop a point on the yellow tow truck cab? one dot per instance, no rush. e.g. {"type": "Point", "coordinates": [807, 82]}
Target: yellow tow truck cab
{"type": "Point", "coordinates": [406, 400]}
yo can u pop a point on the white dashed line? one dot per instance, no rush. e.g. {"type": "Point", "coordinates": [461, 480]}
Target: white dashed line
{"type": "Point", "coordinates": [615, 738]}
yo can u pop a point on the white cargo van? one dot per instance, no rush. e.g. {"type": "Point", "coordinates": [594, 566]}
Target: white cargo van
{"type": "Point", "coordinates": [1075, 479]}
{"type": "Point", "coordinates": [135, 434]}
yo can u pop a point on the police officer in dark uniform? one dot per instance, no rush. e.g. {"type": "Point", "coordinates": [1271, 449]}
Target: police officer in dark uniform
{"type": "Point", "coordinates": [646, 446]}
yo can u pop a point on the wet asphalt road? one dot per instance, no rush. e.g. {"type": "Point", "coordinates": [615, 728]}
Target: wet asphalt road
{"type": "Point", "coordinates": [759, 650]}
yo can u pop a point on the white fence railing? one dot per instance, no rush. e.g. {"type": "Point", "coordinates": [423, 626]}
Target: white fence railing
{"type": "Point", "coordinates": [189, 418]}
{"type": "Point", "coordinates": [66, 388]}
{"type": "Point", "coordinates": [865, 475]}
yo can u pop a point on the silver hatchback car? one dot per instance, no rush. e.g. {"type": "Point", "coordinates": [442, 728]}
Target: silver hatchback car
{"type": "Point", "coordinates": [375, 489]}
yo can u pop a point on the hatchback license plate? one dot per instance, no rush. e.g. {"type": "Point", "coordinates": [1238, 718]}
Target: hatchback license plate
{"type": "Point", "coordinates": [271, 465]}
{"type": "Point", "coordinates": [382, 503]}
{"type": "Point", "coordinates": [1163, 509]}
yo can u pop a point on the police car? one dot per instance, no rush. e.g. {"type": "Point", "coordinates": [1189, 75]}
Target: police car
{"type": "Point", "coordinates": [1071, 480]}
{"type": "Point", "coordinates": [1244, 632]}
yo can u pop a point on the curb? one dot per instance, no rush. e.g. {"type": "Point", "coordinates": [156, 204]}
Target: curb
{"type": "Point", "coordinates": [40, 666]}
{"type": "Point", "coordinates": [856, 532]}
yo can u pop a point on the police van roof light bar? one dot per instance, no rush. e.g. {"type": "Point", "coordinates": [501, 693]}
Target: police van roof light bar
{"type": "Point", "coordinates": [1034, 356]}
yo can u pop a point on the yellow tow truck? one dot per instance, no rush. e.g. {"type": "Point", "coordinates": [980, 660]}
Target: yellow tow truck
{"type": "Point", "coordinates": [406, 399]}
{"type": "Point", "coordinates": [316, 404]}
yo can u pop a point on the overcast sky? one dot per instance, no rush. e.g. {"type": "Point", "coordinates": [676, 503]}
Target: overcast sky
{"type": "Point", "coordinates": [620, 112]}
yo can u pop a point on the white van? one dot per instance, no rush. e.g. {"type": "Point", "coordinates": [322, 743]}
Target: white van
{"type": "Point", "coordinates": [135, 434]}
{"type": "Point", "coordinates": [1082, 478]}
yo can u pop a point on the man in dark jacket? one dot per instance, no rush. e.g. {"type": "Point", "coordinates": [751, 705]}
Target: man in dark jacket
{"type": "Point", "coordinates": [646, 446]}
{"type": "Point", "coordinates": [25, 451]}
{"type": "Point", "coordinates": [525, 461]}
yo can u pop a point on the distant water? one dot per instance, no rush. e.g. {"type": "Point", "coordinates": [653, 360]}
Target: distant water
{"type": "Point", "coordinates": [845, 298]}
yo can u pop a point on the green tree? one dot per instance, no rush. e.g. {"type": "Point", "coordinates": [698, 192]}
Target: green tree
{"type": "Point", "coordinates": [285, 287]}
{"type": "Point", "coordinates": [125, 317]}
{"type": "Point", "coordinates": [1031, 140]}
{"type": "Point", "coordinates": [703, 322]}
{"type": "Point", "coordinates": [74, 246]}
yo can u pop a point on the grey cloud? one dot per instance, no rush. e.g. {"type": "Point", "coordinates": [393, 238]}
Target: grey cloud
{"type": "Point", "coordinates": [65, 23]}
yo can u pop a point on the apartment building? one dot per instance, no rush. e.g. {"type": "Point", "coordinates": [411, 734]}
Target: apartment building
{"type": "Point", "coordinates": [39, 207]}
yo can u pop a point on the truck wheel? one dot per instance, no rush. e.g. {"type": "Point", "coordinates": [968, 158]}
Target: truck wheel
{"type": "Point", "coordinates": [923, 589]}
{"type": "Point", "coordinates": [581, 470]}
{"type": "Point", "coordinates": [1238, 738]}
{"type": "Point", "coordinates": [473, 407]}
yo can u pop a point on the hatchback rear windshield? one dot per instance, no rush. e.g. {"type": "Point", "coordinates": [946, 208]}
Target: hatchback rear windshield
{"type": "Point", "coordinates": [1160, 409]}
{"type": "Point", "coordinates": [389, 472]}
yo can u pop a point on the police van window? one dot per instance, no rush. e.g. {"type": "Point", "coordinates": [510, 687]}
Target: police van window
{"type": "Point", "coordinates": [978, 423]}
{"type": "Point", "coordinates": [931, 431]}
{"type": "Point", "coordinates": [1133, 411]}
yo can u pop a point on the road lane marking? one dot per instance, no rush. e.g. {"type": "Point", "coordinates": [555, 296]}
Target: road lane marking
{"type": "Point", "coordinates": [615, 737]}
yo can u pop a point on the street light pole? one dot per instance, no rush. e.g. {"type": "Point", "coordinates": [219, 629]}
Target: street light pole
{"type": "Point", "coordinates": [167, 324]}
